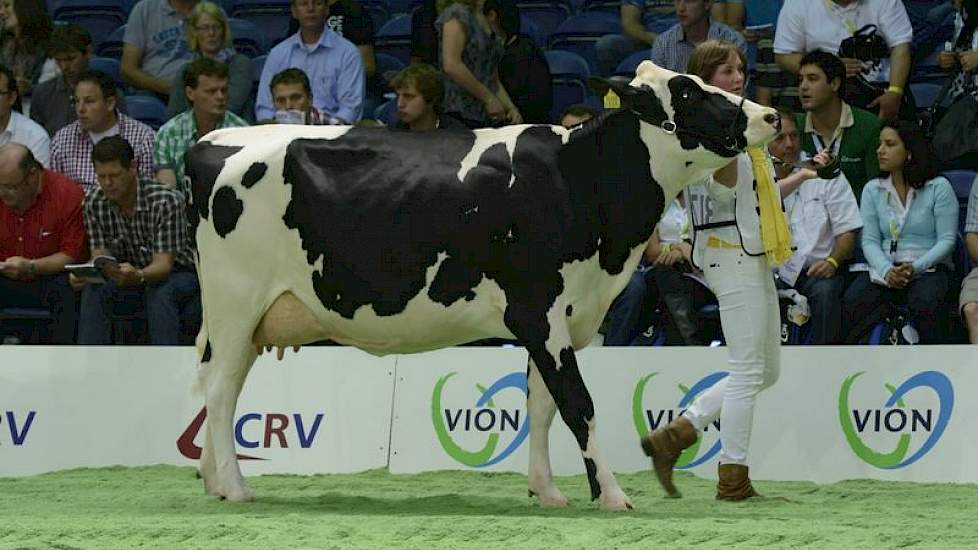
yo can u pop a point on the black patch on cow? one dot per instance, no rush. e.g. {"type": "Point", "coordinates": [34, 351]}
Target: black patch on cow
{"type": "Point", "coordinates": [203, 163]}
{"type": "Point", "coordinates": [207, 352]}
{"type": "Point", "coordinates": [570, 309]}
{"type": "Point", "coordinates": [255, 172]}
{"type": "Point", "coordinates": [705, 118]}
{"type": "Point", "coordinates": [227, 209]}
{"type": "Point", "coordinates": [592, 478]}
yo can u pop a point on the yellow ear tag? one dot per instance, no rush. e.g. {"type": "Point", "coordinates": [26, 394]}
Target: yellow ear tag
{"type": "Point", "coordinates": [611, 100]}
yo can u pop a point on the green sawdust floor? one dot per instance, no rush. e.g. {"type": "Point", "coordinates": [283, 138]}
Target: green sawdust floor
{"type": "Point", "coordinates": [164, 507]}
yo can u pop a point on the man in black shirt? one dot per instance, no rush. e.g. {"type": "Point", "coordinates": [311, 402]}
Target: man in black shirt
{"type": "Point", "coordinates": [523, 69]}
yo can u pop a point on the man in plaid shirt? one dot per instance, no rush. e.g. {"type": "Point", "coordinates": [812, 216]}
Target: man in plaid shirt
{"type": "Point", "coordinates": [206, 84]}
{"type": "Point", "coordinates": [95, 104]}
{"type": "Point", "coordinates": [143, 225]}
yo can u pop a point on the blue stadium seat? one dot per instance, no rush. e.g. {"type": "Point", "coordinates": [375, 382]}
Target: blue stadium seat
{"type": "Point", "coordinates": [387, 67]}
{"type": "Point", "coordinates": [579, 34]}
{"type": "Point", "coordinates": [547, 15]}
{"type": "Point", "coordinates": [530, 29]}
{"type": "Point", "coordinates": [378, 11]}
{"type": "Point", "coordinates": [961, 182]}
{"type": "Point", "coordinates": [248, 39]}
{"type": "Point", "coordinates": [147, 109]}
{"type": "Point", "coordinates": [400, 7]}
{"type": "Point", "coordinates": [660, 23]}
{"type": "Point", "coordinates": [387, 113]}
{"type": "Point", "coordinates": [394, 38]}
{"type": "Point", "coordinates": [570, 73]}
{"type": "Point", "coordinates": [271, 16]}
{"type": "Point", "coordinates": [110, 67]}
{"type": "Point", "coordinates": [100, 17]}
{"type": "Point", "coordinates": [629, 64]}
{"type": "Point", "coordinates": [112, 45]}
{"type": "Point", "coordinates": [925, 94]}
{"type": "Point", "coordinates": [607, 6]}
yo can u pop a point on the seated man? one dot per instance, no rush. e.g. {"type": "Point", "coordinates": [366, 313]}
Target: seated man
{"type": "Point", "coordinates": [969, 287]}
{"type": "Point", "coordinates": [523, 70]}
{"type": "Point", "coordinates": [805, 26]}
{"type": "Point", "coordinates": [51, 102]}
{"type": "Point", "coordinates": [96, 103]}
{"type": "Point", "coordinates": [156, 44]}
{"type": "Point", "coordinates": [420, 92]}
{"type": "Point", "coordinates": [673, 48]}
{"type": "Point", "coordinates": [333, 64]}
{"type": "Point", "coordinates": [292, 96]}
{"type": "Point", "coordinates": [143, 225]}
{"type": "Point", "coordinates": [17, 128]}
{"type": "Point", "coordinates": [576, 114]}
{"type": "Point", "coordinates": [41, 231]}
{"type": "Point", "coordinates": [825, 221]}
{"type": "Point", "coordinates": [206, 84]}
{"type": "Point", "coordinates": [612, 49]}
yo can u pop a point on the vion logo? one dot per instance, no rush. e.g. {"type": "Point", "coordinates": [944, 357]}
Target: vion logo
{"type": "Point", "coordinates": [648, 419]}
{"type": "Point", "coordinates": [18, 428]}
{"type": "Point", "coordinates": [895, 417]}
{"type": "Point", "coordinates": [484, 417]}
{"type": "Point", "coordinates": [274, 430]}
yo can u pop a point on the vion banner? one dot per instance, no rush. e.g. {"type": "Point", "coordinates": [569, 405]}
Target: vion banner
{"type": "Point", "coordinates": [322, 410]}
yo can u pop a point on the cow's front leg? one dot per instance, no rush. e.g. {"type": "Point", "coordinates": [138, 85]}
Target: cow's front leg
{"type": "Point", "coordinates": [541, 406]}
{"type": "Point", "coordinates": [555, 359]}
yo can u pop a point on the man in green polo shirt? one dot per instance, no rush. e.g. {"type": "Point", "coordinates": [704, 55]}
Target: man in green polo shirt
{"type": "Point", "coordinates": [849, 133]}
{"type": "Point", "coordinates": [206, 84]}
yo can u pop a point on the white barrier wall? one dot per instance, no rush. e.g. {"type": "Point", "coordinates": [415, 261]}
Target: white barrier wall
{"type": "Point", "coordinates": [836, 413]}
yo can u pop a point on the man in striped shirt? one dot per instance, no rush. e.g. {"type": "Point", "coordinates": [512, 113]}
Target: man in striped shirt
{"type": "Point", "coordinates": [142, 225]}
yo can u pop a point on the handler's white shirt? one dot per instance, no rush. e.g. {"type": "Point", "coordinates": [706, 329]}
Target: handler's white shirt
{"type": "Point", "coordinates": [819, 211]}
{"type": "Point", "coordinates": [30, 134]}
{"type": "Point", "coordinates": [808, 25]}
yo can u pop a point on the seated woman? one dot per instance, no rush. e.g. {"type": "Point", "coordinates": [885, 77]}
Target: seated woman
{"type": "Point", "coordinates": [665, 276]}
{"type": "Point", "coordinates": [24, 41]}
{"type": "Point", "coordinates": [910, 216]}
{"type": "Point", "coordinates": [208, 35]}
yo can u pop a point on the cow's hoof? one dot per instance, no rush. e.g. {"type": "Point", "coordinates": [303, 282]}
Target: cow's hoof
{"type": "Point", "coordinates": [550, 498]}
{"type": "Point", "coordinates": [240, 494]}
{"type": "Point", "coordinates": [616, 501]}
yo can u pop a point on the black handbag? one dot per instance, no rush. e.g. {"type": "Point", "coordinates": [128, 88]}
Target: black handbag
{"type": "Point", "coordinates": [956, 132]}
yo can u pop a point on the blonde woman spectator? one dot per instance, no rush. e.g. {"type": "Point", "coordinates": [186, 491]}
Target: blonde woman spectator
{"type": "Point", "coordinates": [470, 55]}
{"type": "Point", "coordinates": [209, 35]}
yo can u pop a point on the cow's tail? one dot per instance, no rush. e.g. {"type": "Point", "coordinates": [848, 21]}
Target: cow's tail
{"type": "Point", "coordinates": [202, 343]}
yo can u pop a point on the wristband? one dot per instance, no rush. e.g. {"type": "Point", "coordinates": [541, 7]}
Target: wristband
{"type": "Point", "coordinates": [832, 261]}
{"type": "Point", "coordinates": [142, 276]}
{"type": "Point", "coordinates": [895, 90]}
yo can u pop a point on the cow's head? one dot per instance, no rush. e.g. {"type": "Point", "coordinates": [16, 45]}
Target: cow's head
{"type": "Point", "coordinates": [689, 120]}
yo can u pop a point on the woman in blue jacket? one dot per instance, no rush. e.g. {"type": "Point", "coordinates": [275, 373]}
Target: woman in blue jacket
{"type": "Point", "coordinates": [910, 216]}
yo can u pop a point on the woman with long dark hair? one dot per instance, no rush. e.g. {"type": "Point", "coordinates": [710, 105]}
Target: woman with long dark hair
{"type": "Point", "coordinates": [910, 219]}
{"type": "Point", "coordinates": [24, 40]}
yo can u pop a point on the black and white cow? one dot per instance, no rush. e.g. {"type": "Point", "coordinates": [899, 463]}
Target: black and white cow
{"type": "Point", "coordinates": [402, 242]}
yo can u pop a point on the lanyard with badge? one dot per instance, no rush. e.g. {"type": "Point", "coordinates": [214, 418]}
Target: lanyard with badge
{"type": "Point", "coordinates": [897, 220]}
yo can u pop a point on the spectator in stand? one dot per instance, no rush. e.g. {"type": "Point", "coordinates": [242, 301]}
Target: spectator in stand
{"type": "Point", "coordinates": [143, 225]}
{"type": "Point", "coordinates": [825, 223]}
{"type": "Point", "coordinates": [424, 36]}
{"type": "Point", "coordinates": [968, 300]}
{"type": "Point", "coordinates": [155, 44]}
{"type": "Point", "coordinates": [41, 231]}
{"type": "Point", "coordinates": [807, 25]}
{"type": "Point", "coordinates": [673, 48]}
{"type": "Point", "coordinates": [420, 93]}
{"type": "Point", "coordinates": [910, 217]}
{"type": "Point", "coordinates": [578, 113]}
{"type": "Point", "coordinates": [52, 105]}
{"type": "Point", "coordinates": [209, 35]}
{"type": "Point", "coordinates": [829, 123]}
{"type": "Point", "coordinates": [332, 63]}
{"type": "Point", "coordinates": [962, 63]}
{"type": "Point", "coordinates": [24, 41]}
{"type": "Point", "coordinates": [292, 97]}
{"type": "Point", "coordinates": [523, 70]}
{"type": "Point", "coordinates": [98, 117]}
{"type": "Point", "coordinates": [205, 81]}
{"type": "Point", "coordinates": [470, 56]}
{"type": "Point", "coordinates": [757, 20]}
{"type": "Point", "coordinates": [17, 128]}
{"type": "Point", "coordinates": [636, 15]}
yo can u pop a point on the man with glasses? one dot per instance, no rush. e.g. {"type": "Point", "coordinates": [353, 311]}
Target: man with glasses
{"type": "Point", "coordinates": [155, 44]}
{"type": "Point", "coordinates": [142, 225]}
{"type": "Point", "coordinates": [96, 108]}
{"type": "Point", "coordinates": [41, 231]}
{"type": "Point", "coordinates": [332, 63]}
{"type": "Point", "coordinates": [17, 128]}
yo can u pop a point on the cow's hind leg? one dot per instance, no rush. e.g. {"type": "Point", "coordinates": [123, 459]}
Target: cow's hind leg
{"type": "Point", "coordinates": [541, 407]}
{"type": "Point", "coordinates": [221, 379]}
{"type": "Point", "coordinates": [547, 339]}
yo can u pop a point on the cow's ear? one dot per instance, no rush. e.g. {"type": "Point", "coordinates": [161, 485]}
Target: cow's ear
{"type": "Point", "coordinates": [616, 83]}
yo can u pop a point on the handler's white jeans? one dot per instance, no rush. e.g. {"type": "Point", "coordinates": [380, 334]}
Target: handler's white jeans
{"type": "Point", "coordinates": [744, 287]}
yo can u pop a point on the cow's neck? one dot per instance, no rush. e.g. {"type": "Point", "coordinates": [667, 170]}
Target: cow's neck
{"type": "Point", "coordinates": [669, 165]}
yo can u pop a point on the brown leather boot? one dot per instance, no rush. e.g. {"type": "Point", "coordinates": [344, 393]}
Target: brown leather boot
{"type": "Point", "coordinates": [734, 483]}
{"type": "Point", "coordinates": [664, 446]}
